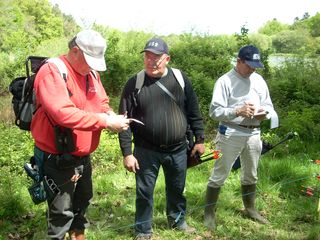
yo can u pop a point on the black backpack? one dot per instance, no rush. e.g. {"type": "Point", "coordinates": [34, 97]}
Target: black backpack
{"type": "Point", "coordinates": [23, 99]}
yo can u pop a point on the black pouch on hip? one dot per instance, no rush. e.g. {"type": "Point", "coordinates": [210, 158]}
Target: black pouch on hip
{"type": "Point", "coordinates": [64, 139]}
{"type": "Point", "coordinates": [37, 192]}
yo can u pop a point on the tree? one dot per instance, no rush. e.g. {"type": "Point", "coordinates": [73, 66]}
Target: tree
{"type": "Point", "coordinates": [24, 25]}
{"type": "Point", "coordinates": [314, 25]}
{"type": "Point", "coordinates": [263, 42]}
{"type": "Point", "coordinates": [70, 27]}
{"type": "Point", "coordinates": [297, 41]}
{"type": "Point", "coordinates": [273, 27]}
{"type": "Point", "coordinates": [242, 38]}
{"type": "Point", "coordinates": [40, 13]}
{"type": "Point", "coordinates": [204, 60]}
{"type": "Point", "coordinates": [305, 16]}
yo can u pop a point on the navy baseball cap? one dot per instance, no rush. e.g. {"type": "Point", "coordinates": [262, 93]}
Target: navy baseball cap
{"type": "Point", "coordinates": [156, 46]}
{"type": "Point", "coordinates": [251, 56]}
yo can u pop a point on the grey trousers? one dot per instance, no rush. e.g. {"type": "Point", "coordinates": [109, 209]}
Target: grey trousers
{"type": "Point", "coordinates": [249, 150]}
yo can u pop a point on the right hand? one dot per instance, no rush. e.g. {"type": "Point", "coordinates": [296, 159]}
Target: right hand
{"type": "Point", "coordinates": [131, 163]}
{"type": "Point", "coordinates": [247, 110]}
{"type": "Point", "coordinates": [116, 123]}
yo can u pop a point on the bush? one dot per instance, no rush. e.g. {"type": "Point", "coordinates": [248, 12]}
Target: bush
{"type": "Point", "coordinates": [294, 88]}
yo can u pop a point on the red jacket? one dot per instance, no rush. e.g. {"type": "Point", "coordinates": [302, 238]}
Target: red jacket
{"type": "Point", "coordinates": [78, 111]}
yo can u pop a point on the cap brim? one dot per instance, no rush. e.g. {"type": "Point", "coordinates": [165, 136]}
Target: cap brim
{"type": "Point", "coordinates": [254, 64]}
{"type": "Point", "coordinates": [153, 51]}
{"type": "Point", "coordinates": [94, 63]}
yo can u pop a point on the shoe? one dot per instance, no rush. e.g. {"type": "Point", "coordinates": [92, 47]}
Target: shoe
{"type": "Point", "coordinates": [143, 236]}
{"type": "Point", "coordinates": [184, 227]}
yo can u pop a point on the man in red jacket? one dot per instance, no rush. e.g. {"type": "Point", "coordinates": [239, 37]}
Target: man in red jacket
{"type": "Point", "coordinates": [66, 127]}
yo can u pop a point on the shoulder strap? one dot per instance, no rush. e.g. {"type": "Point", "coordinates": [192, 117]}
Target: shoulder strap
{"type": "Point", "coordinates": [177, 73]}
{"type": "Point", "coordinates": [140, 80]}
{"type": "Point", "coordinates": [94, 73]}
{"type": "Point", "coordinates": [160, 85]}
{"type": "Point", "coordinates": [60, 65]}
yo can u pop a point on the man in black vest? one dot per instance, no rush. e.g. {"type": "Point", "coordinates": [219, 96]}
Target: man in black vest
{"type": "Point", "coordinates": [166, 108]}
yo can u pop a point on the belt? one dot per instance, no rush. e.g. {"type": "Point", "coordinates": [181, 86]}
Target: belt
{"type": "Point", "coordinates": [166, 147]}
{"type": "Point", "coordinates": [68, 156]}
{"type": "Point", "coordinates": [249, 126]}
{"type": "Point", "coordinates": [156, 147]}
{"type": "Point", "coordinates": [67, 159]}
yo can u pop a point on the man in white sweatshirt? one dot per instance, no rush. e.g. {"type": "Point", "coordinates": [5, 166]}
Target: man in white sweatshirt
{"type": "Point", "coordinates": [240, 101]}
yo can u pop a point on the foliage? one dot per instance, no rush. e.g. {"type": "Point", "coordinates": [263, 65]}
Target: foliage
{"type": "Point", "coordinates": [297, 41]}
{"type": "Point", "coordinates": [294, 89]}
{"type": "Point", "coordinates": [43, 30]}
{"type": "Point", "coordinates": [243, 38]}
{"type": "Point", "coordinates": [123, 57]}
{"type": "Point", "coordinates": [41, 17]}
{"type": "Point", "coordinates": [111, 212]}
{"type": "Point", "coordinates": [203, 59]}
{"type": "Point", "coordinates": [314, 25]}
{"type": "Point", "coordinates": [24, 25]}
{"type": "Point", "coordinates": [273, 27]}
{"type": "Point", "coordinates": [52, 47]}
{"type": "Point", "coordinates": [306, 22]}
{"type": "Point", "coordinates": [70, 28]}
{"type": "Point", "coordinates": [263, 42]}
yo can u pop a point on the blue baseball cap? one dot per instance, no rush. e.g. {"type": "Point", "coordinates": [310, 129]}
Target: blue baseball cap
{"type": "Point", "coordinates": [156, 46]}
{"type": "Point", "coordinates": [251, 56]}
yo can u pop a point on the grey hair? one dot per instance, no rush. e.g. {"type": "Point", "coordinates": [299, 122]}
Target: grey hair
{"type": "Point", "coordinates": [72, 43]}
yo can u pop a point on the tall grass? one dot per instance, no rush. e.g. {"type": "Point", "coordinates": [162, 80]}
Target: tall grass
{"type": "Point", "coordinates": [7, 116]}
{"type": "Point", "coordinates": [279, 198]}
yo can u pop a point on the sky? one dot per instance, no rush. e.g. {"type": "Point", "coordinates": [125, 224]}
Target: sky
{"type": "Point", "coordinates": [164, 17]}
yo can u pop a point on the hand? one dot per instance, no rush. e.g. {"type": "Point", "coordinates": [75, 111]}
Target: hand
{"type": "Point", "coordinates": [261, 117]}
{"type": "Point", "coordinates": [198, 148]}
{"type": "Point", "coordinates": [75, 177]}
{"type": "Point", "coordinates": [110, 113]}
{"type": "Point", "coordinates": [116, 123]}
{"type": "Point", "coordinates": [247, 110]}
{"type": "Point", "coordinates": [131, 163]}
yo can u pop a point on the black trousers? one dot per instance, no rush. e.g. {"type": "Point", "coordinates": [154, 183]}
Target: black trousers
{"type": "Point", "coordinates": [68, 203]}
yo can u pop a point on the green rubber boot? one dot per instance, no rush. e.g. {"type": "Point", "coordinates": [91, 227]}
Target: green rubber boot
{"type": "Point", "coordinates": [248, 198]}
{"type": "Point", "coordinates": [210, 208]}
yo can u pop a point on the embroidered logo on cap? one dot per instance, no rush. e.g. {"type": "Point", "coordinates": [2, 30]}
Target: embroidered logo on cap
{"type": "Point", "coordinates": [256, 56]}
{"type": "Point", "coordinates": [153, 44]}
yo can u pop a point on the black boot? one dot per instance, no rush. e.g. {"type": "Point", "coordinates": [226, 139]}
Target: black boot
{"type": "Point", "coordinates": [209, 210]}
{"type": "Point", "coordinates": [248, 198]}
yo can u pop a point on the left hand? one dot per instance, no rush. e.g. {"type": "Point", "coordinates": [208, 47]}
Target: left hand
{"type": "Point", "coordinates": [199, 148]}
{"type": "Point", "coordinates": [75, 177]}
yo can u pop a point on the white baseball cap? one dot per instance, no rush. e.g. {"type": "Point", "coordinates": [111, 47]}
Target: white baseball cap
{"type": "Point", "coordinates": [93, 46]}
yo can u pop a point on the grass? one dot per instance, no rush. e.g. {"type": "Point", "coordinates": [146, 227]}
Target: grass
{"type": "Point", "coordinates": [6, 109]}
{"type": "Point", "coordinates": [292, 215]}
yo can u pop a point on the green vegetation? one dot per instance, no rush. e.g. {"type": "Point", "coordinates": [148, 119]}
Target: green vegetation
{"type": "Point", "coordinates": [34, 27]}
{"type": "Point", "coordinates": [292, 215]}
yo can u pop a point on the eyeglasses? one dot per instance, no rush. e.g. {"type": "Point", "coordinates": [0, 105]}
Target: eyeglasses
{"type": "Point", "coordinates": [157, 60]}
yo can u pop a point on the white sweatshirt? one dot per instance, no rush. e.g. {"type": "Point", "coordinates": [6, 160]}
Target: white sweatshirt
{"type": "Point", "coordinates": [232, 91]}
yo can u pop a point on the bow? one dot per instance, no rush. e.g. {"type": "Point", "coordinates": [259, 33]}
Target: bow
{"type": "Point", "coordinates": [197, 159]}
